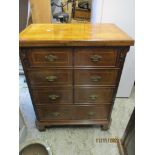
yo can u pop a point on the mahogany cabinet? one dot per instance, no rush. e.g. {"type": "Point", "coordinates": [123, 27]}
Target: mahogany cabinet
{"type": "Point", "coordinates": [73, 71]}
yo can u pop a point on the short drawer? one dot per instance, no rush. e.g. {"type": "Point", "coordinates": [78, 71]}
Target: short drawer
{"type": "Point", "coordinates": [50, 77]}
{"type": "Point", "coordinates": [54, 95]}
{"type": "Point", "coordinates": [96, 76]}
{"type": "Point", "coordinates": [93, 95]}
{"type": "Point", "coordinates": [54, 112]}
{"type": "Point", "coordinates": [92, 112]}
{"type": "Point", "coordinates": [95, 57]}
{"type": "Point", "coordinates": [41, 57]}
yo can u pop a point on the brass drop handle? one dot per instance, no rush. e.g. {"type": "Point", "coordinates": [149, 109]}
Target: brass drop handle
{"type": "Point", "coordinates": [91, 113]}
{"type": "Point", "coordinates": [96, 78]}
{"type": "Point", "coordinates": [53, 97]}
{"type": "Point", "coordinates": [51, 58]}
{"type": "Point", "coordinates": [54, 114]}
{"type": "Point", "coordinates": [51, 78]}
{"type": "Point", "coordinates": [93, 97]}
{"type": "Point", "coordinates": [95, 58]}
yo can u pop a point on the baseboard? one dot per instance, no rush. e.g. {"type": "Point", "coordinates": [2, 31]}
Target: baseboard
{"type": "Point", "coordinates": [120, 147]}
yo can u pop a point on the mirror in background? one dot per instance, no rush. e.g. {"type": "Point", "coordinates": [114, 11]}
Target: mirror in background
{"type": "Point", "coordinates": [71, 11]}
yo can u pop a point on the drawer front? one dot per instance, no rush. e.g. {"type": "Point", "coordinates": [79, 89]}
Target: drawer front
{"type": "Point", "coordinates": [41, 57]}
{"type": "Point", "coordinates": [54, 112]}
{"type": "Point", "coordinates": [50, 77]}
{"type": "Point", "coordinates": [54, 95]}
{"type": "Point", "coordinates": [73, 112]}
{"type": "Point", "coordinates": [92, 112]}
{"type": "Point", "coordinates": [99, 57]}
{"type": "Point", "coordinates": [93, 95]}
{"type": "Point", "coordinates": [96, 76]}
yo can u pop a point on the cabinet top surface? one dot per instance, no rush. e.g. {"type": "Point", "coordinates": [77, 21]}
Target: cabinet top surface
{"type": "Point", "coordinates": [74, 35]}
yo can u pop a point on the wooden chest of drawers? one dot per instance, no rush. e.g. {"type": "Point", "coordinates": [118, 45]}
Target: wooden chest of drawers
{"type": "Point", "coordinates": [73, 71]}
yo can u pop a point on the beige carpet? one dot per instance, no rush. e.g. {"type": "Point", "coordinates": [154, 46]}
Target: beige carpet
{"type": "Point", "coordinates": [77, 140]}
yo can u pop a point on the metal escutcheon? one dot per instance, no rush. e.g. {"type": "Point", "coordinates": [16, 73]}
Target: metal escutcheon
{"type": "Point", "coordinates": [55, 114]}
{"type": "Point", "coordinates": [51, 58]}
{"type": "Point", "coordinates": [93, 97]}
{"type": "Point", "coordinates": [51, 78]}
{"type": "Point", "coordinates": [91, 113]}
{"type": "Point", "coordinates": [53, 97]}
{"type": "Point", "coordinates": [95, 58]}
{"type": "Point", "coordinates": [96, 78]}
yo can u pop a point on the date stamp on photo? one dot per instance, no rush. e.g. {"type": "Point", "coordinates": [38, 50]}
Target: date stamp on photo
{"type": "Point", "coordinates": [107, 140]}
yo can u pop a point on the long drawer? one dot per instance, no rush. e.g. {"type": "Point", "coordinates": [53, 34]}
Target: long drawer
{"type": "Point", "coordinates": [95, 57]}
{"type": "Point", "coordinates": [51, 57]}
{"type": "Point", "coordinates": [73, 112]}
{"type": "Point", "coordinates": [93, 95]}
{"type": "Point", "coordinates": [53, 95]}
{"type": "Point", "coordinates": [96, 76]}
{"type": "Point", "coordinates": [50, 77]}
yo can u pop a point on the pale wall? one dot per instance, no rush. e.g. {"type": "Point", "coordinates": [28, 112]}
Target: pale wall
{"type": "Point", "coordinates": [122, 13]}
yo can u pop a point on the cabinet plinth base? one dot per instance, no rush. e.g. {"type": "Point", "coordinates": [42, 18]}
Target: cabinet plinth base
{"type": "Point", "coordinates": [106, 126]}
{"type": "Point", "coordinates": [41, 125]}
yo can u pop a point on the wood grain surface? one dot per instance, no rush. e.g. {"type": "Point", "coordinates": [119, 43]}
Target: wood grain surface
{"type": "Point", "coordinates": [74, 35]}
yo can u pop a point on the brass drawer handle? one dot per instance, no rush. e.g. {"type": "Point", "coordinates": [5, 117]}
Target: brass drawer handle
{"type": "Point", "coordinates": [91, 113]}
{"type": "Point", "coordinates": [54, 114]}
{"type": "Point", "coordinates": [53, 97]}
{"type": "Point", "coordinates": [51, 78]}
{"type": "Point", "coordinates": [93, 97]}
{"type": "Point", "coordinates": [51, 58]}
{"type": "Point", "coordinates": [96, 78]}
{"type": "Point", "coordinates": [95, 58]}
